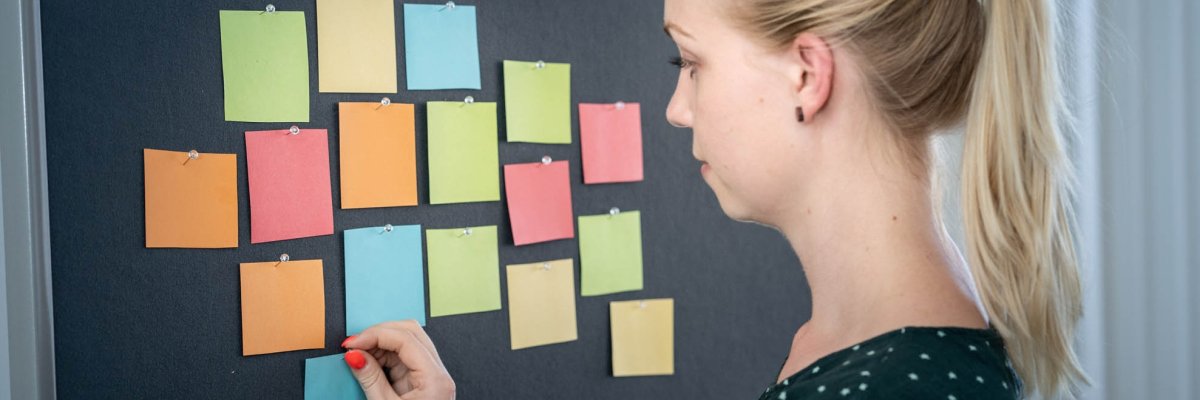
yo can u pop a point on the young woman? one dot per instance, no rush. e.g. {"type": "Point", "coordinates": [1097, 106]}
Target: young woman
{"type": "Point", "coordinates": [815, 117]}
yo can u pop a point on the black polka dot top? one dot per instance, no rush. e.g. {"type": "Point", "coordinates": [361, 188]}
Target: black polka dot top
{"type": "Point", "coordinates": [943, 363]}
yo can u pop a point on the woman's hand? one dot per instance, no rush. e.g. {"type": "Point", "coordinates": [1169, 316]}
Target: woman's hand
{"type": "Point", "coordinates": [396, 360]}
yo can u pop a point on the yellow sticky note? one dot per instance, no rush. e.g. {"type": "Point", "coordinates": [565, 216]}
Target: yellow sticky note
{"type": "Point", "coordinates": [356, 46]}
{"type": "Point", "coordinates": [643, 337]}
{"type": "Point", "coordinates": [283, 306]}
{"type": "Point", "coordinates": [541, 303]}
{"type": "Point", "coordinates": [191, 203]}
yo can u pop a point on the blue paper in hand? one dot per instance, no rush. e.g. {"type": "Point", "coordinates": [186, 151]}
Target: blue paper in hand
{"type": "Point", "coordinates": [384, 276]}
{"type": "Point", "coordinates": [441, 48]}
{"type": "Point", "coordinates": [329, 378]}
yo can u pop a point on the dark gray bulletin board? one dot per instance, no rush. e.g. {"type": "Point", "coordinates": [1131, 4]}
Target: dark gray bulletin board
{"type": "Point", "coordinates": [132, 322]}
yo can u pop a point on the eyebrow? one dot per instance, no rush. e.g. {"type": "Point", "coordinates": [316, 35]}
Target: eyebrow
{"type": "Point", "coordinates": [668, 26]}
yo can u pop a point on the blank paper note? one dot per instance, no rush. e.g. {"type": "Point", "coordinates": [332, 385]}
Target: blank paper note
{"type": "Point", "coordinates": [643, 337]}
{"type": "Point", "coordinates": [610, 253]}
{"type": "Point", "coordinates": [541, 303]}
{"type": "Point", "coordinates": [283, 306]}
{"type": "Point", "coordinates": [441, 48]}
{"type": "Point", "coordinates": [464, 160]}
{"type": "Point", "coordinates": [330, 378]}
{"type": "Point", "coordinates": [464, 270]}
{"type": "Point", "coordinates": [378, 155]}
{"type": "Point", "coordinates": [611, 138]}
{"type": "Point", "coordinates": [264, 60]}
{"type": "Point", "coordinates": [539, 201]}
{"type": "Point", "coordinates": [537, 105]}
{"type": "Point", "coordinates": [385, 278]}
{"type": "Point", "coordinates": [356, 46]}
{"type": "Point", "coordinates": [289, 184]}
{"type": "Point", "coordinates": [191, 203]}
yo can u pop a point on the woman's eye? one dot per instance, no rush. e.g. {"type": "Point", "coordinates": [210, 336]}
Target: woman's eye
{"type": "Point", "coordinates": [681, 63]}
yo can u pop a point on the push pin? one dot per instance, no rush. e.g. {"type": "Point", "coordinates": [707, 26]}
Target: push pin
{"type": "Point", "coordinates": [546, 160]}
{"type": "Point", "coordinates": [612, 212]}
{"type": "Point", "coordinates": [540, 64]}
{"type": "Point", "coordinates": [641, 304]}
{"type": "Point", "coordinates": [449, 6]}
{"type": "Point", "coordinates": [384, 103]}
{"type": "Point", "coordinates": [465, 232]}
{"type": "Point", "coordinates": [545, 266]}
{"type": "Point", "coordinates": [283, 258]}
{"type": "Point", "coordinates": [387, 228]}
{"type": "Point", "coordinates": [192, 155]}
{"type": "Point", "coordinates": [469, 99]}
{"type": "Point", "coordinates": [620, 105]}
{"type": "Point", "coordinates": [294, 130]}
{"type": "Point", "coordinates": [270, 9]}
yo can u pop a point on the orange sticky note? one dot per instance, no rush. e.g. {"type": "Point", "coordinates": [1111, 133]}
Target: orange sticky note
{"type": "Point", "coordinates": [283, 306]}
{"type": "Point", "coordinates": [539, 201]}
{"type": "Point", "coordinates": [191, 203]}
{"type": "Point", "coordinates": [611, 138]}
{"type": "Point", "coordinates": [378, 155]}
{"type": "Point", "coordinates": [289, 184]}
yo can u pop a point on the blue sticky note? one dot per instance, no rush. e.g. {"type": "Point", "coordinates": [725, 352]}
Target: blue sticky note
{"type": "Point", "coordinates": [329, 378]}
{"type": "Point", "coordinates": [385, 279]}
{"type": "Point", "coordinates": [441, 48]}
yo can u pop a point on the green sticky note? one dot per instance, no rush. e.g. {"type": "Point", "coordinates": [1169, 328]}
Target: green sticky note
{"type": "Point", "coordinates": [264, 58]}
{"type": "Point", "coordinates": [537, 102]}
{"type": "Point", "coordinates": [464, 270]}
{"type": "Point", "coordinates": [610, 253]}
{"type": "Point", "coordinates": [464, 162]}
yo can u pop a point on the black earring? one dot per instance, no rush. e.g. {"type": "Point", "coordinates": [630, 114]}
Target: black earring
{"type": "Point", "coordinates": [800, 114]}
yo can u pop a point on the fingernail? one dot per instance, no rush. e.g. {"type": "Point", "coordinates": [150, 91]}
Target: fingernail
{"type": "Point", "coordinates": [347, 341]}
{"type": "Point", "coordinates": [355, 359]}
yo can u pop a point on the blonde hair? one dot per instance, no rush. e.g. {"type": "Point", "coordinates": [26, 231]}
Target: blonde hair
{"type": "Point", "coordinates": [925, 62]}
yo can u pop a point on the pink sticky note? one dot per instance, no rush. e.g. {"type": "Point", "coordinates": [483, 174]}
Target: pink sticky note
{"type": "Point", "coordinates": [611, 137]}
{"type": "Point", "coordinates": [289, 184]}
{"type": "Point", "coordinates": [539, 201]}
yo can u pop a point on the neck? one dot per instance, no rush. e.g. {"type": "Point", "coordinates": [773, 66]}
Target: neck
{"type": "Point", "coordinates": [876, 257]}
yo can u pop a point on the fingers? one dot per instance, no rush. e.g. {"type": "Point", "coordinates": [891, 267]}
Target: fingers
{"type": "Point", "coordinates": [415, 328]}
{"type": "Point", "coordinates": [369, 375]}
{"type": "Point", "coordinates": [410, 350]}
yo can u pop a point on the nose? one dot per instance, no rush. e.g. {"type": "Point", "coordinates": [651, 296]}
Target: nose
{"type": "Point", "coordinates": [679, 112]}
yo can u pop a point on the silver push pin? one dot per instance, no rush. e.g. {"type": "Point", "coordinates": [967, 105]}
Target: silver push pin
{"type": "Point", "coordinates": [385, 102]}
{"type": "Point", "coordinates": [449, 6]}
{"type": "Point", "coordinates": [540, 64]}
{"type": "Point", "coordinates": [294, 130]}
{"type": "Point", "coordinates": [612, 212]}
{"type": "Point", "coordinates": [387, 228]}
{"type": "Point", "coordinates": [546, 160]}
{"type": "Point", "coordinates": [270, 8]}
{"type": "Point", "coordinates": [620, 105]}
{"type": "Point", "coordinates": [545, 266]}
{"type": "Point", "coordinates": [641, 304]}
{"type": "Point", "coordinates": [469, 99]}
{"type": "Point", "coordinates": [465, 232]}
{"type": "Point", "coordinates": [284, 258]}
{"type": "Point", "coordinates": [192, 155]}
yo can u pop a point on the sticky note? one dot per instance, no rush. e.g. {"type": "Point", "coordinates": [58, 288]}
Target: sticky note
{"type": "Point", "coordinates": [441, 48]}
{"type": "Point", "coordinates": [611, 138]}
{"type": "Point", "coordinates": [610, 253]}
{"type": "Point", "coordinates": [289, 184]}
{"type": "Point", "coordinates": [643, 337]}
{"type": "Point", "coordinates": [537, 104]}
{"type": "Point", "coordinates": [385, 278]}
{"type": "Point", "coordinates": [356, 46]}
{"type": "Point", "coordinates": [464, 270]}
{"type": "Point", "coordinates": [464, 159]}
{"type": "Point", "coordinates": [539, 201]}
{"type": "Point", "coordinates": [191, 203]}
{"type": "Point", "coordinates": [330, 378]}
{"type": "Point", "coordinates": [264, 60]}
{"type": "Point", "coordinates": [541, 303]}
{"type": "Point", "coordinates": [378, 155]}
{"type": "Point", "coordinates": [283, 306]}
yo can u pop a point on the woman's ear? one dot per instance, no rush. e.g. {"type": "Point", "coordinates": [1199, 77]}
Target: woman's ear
{"type": "Point", "coordinates": [813, 73]}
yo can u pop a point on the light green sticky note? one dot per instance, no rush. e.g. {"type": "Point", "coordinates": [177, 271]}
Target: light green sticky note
{"type": "Point", "coordinates": [537, 102]}
{"type": "Point", "coordinates": [464, 162]}
{"type": "Point", "coordinates": [610, 253]}
{"type": "Point", "coordinates": [264, 58]}
{"type": "Point", "coordinates": [464, 270]}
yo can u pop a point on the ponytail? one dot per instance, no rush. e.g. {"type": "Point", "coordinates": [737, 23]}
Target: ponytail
{"type": "Point", "coordinates": [1017, 198]}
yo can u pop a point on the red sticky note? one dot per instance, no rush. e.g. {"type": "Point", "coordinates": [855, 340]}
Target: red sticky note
{"type": "Point", "coordinates": [289, 184]}
{"type": "Point", "coordinates": [611, 137]}
{"type": "Point", "coordinates": [539, 201]}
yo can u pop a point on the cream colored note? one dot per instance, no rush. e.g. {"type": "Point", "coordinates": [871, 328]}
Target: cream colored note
{"type": "Point", "coordinates": [643, 337]}
{"type": "Point", "coordinates": [541, 303]}
{"type": "Point", "coordinates": [356, 46]}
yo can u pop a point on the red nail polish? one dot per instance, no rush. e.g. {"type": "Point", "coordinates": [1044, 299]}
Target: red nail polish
{"type": "Point", "coordinates": [355, 359]}
{"type": "Point", "coordinates": [347, 341]}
